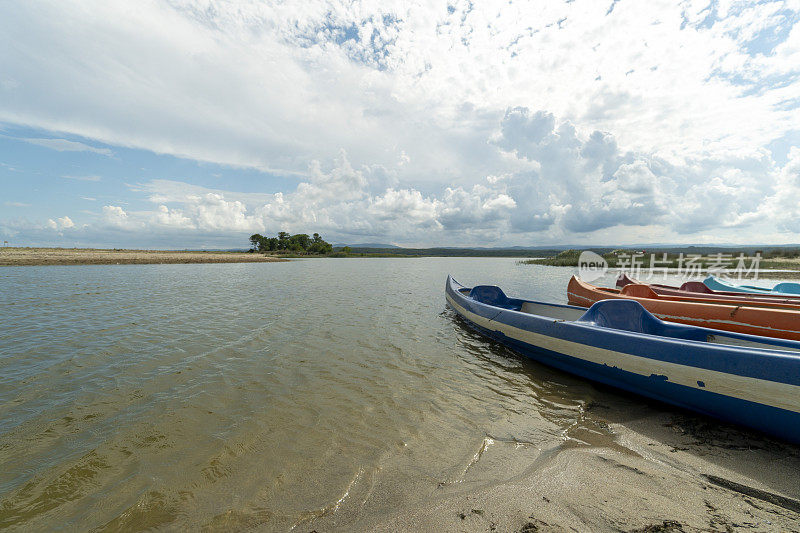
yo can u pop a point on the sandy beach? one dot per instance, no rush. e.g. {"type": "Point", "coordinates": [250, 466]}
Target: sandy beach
{"type": "Point", "coordinates": [93, 256]}
{"type": "Point", "coordinates": [643, 471]}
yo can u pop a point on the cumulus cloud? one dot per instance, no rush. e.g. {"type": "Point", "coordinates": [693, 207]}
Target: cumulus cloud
{"type": "Point", "coordinates": [406, 205]}
{"type": "Point", "coordinates": [581, 184]}
{"type": "Point", "coordinates": [61, 223]}
{"type": "Point", "coordinates": [435, 122]}
{"type": "Point", "coordinates": [783, 205]}
{"type": "Point", "coordinates": [116, 217]}
{"type": "Point", "coordinates": [275, 87]}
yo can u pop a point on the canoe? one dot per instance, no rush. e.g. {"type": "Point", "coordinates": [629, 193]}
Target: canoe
{"type": "Point", "coordinates": [754, 381]}
{"type": "Point", "coordinates": [786, 288]}
{"type": "Point", "coordinates": [702, 288]}
{"type": "Point", "coordinates": [734, 298]}
{"type": "Point", "coordinates": [780, 323]}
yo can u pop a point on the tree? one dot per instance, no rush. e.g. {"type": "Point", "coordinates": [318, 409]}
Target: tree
{"type": "Point", "coordinates": [321, 247]}
{"type": "Point", "coordinates": [347, 250]}
{"type": "Point", "coordinates": [294, 243]}
{"type": "Point", "coordinates": [283, 240]}
{"type": "Point", "coordinates": [301, 240]}
{"type": "Point", "coordinates": [255, 241]}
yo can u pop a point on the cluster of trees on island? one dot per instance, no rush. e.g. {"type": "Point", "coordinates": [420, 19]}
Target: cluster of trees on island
{"type": "Point", "coordinates": [284, 242]}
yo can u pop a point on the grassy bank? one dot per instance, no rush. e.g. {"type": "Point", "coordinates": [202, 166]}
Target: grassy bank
{"type": "Point", "coordinates": [785, 260]}
{"type": "Point", "coordinates": [94, 256]}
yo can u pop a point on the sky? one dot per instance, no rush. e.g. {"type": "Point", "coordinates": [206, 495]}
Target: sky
{"type": "Point", "coordinates": [193, 124]}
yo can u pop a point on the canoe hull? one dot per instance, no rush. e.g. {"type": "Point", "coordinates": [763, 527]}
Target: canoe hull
{"type": "Point", "coordinates": [614, 358]}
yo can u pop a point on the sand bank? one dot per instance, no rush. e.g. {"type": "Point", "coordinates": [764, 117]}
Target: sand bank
{"type": "Point", "coordinates": [90, 256]}
{"type": "Point", "coordinates": [644, 471]}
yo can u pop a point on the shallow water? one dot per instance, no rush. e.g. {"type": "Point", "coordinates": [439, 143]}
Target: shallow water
{"type": "Point", "coordinates": [266, 395]}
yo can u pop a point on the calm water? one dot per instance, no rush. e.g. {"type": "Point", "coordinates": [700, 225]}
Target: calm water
{"type": "Point", "coordinates": [262, 395]}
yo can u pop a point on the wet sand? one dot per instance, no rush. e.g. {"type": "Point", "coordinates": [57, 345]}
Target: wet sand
{"type": "Point", "coordinates": [91, 256]}
{"type": "Point", "coordinates": [663, 471]}
{"type": "Point", "coordinates": [668, 471]}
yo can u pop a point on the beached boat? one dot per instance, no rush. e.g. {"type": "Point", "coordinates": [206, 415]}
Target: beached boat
{"type": "Point", "coordinates": [734, 298]}
{"type": "Point", "coordinates": [786, 288]}
{"type": "Point", "coordinates": [752, 320]}
{"type": "Point", "coordinates": [754, 381]}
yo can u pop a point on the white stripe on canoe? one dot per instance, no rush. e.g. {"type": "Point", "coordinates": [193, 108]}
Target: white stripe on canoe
{"type": "Point", "coordinates": [762, 391]}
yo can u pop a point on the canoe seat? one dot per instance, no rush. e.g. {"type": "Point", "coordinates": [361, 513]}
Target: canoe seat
{"type": "Point", "coordinates": [638, 290]}
{"type": "Point", "coordinates": [491, 295]}
{"type": "Point", "coordinates": [696, 286]}
{"type": "Point", "coordinates": [792, 288]}
{"type": "Point", "coordinates": [628, 315]}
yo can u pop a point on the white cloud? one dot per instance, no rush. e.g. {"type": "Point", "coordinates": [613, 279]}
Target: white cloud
{"type": "Point", "coordinates": [63, 145]}
{"type": "Point", "coordinates": [213, 212]}
{"type": "Point", "coordinates": [500, 202]}
{"type": "Point", "coordinates": [82, 178]}
{"type": "Point", "coordinates": [172, 218]}
{"type": "Point", "coordinates": [783, 205]}
{"type": "Point", "coordinates": [274, 86]}
{"type": "Point", "coordinates": [61, 223]}
{"type": "Point", "coordinates": [458, 121]}
{"type": "Point", "coordinates": [406, 206]}
{"type": "Point", "coordinates": [113, 216]}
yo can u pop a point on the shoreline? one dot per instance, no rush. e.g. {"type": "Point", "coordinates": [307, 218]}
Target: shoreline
{"type": "Point", "coordinates": [96, 256]}
{"type": "Point", "coordinates": [775, 267]}
{"type": "Point", "coordinates": [642, 469]}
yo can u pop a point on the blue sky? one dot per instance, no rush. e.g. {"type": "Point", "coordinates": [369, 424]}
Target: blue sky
{"type": "Point", "coordinates": [191, 124]}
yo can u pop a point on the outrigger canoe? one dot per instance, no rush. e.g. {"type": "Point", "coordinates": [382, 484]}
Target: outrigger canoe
{"type": "Point", "coordinates": [769, 322]}
{"type": "Point", "coordinates": [734, 298]}
{"type": "Point", "coordinates": [754, 381]}
{"type": "Point", "coordinates": [786, 288]}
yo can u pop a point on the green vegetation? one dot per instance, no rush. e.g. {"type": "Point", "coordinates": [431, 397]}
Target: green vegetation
{"type": "Point", "coordinates": [614, 258]}
{"type": "Point", "coordinates": [447, 252]}
{"type": "Point", "coordinates": [683, 257]}
{"type": "Point", "coordinates": [300, 244]}
{"type": "Point", "coordinates": [691, 257]}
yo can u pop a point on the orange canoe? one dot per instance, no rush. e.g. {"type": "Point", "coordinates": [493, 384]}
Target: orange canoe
{"type": "Point", "coordinates": [747, 318]}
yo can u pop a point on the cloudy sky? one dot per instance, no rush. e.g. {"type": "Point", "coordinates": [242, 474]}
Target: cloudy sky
{"type": "Point", "coordinates": [192, 123]}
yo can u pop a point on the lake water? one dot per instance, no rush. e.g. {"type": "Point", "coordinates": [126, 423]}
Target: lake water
{"type": "Point", "coordinates": [278, 395]}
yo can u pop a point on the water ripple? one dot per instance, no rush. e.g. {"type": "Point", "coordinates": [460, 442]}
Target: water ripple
{"type": "Point", "coordinates": [260, 395]}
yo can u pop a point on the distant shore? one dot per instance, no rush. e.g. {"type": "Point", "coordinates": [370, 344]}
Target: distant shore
{"type": "Point", "coordinates": [775, 266]}
{"type": "Point", "coordinates": [93, 256]}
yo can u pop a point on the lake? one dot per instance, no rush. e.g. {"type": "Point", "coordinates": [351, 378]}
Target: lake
{"type": "Point", "coordinates": [316, 394]}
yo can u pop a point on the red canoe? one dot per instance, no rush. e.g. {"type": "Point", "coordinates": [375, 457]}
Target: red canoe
{"type": "Point", "coordinates": [765, 321]}
{"type": "Point", "coordinates": [698, 290]}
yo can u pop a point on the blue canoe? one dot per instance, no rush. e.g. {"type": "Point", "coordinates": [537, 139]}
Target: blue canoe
{"type": "Point", "coordinates": [716, 284]}
{"type": "Point", "coordinates": [745, 379]}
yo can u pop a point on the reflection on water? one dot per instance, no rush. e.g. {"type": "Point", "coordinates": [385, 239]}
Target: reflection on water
{"type": "Point", "coordinates": [266, 395]}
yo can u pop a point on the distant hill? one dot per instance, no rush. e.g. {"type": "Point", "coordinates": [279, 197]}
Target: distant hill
{"type": "Point", "coordinates": [548, 251]}
{"type": "Point", "coordinates": [367, 245]}
{"type": "Point", "coordinates": [648, 247]}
